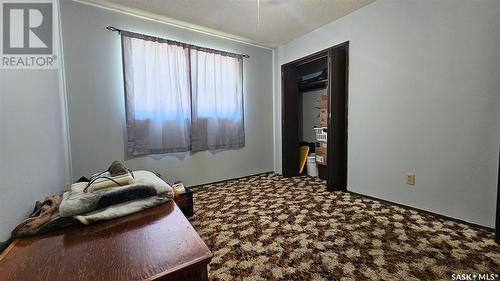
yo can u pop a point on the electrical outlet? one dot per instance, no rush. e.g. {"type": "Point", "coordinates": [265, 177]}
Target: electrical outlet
{"type": "Point", "coordinates": [410, 178]}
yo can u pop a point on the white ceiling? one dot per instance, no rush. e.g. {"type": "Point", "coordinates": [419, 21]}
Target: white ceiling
{"type": "Point", "coordinates": [267, 23]}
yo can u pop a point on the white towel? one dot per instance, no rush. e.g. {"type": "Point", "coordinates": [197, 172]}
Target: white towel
{"type": "Point", "coordinates": [103, 182]}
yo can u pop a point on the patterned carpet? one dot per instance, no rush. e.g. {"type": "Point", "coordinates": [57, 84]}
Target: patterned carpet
{"type": "Point", "coordinates": [271, 228]}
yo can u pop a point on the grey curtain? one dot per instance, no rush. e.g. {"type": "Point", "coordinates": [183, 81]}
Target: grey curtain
{"type": "Point", "coordinates": [217, 101]}
{"type": "Point", "coordinates": [157, 97]}
{"type": "Point", "coordinates": [180, 98]}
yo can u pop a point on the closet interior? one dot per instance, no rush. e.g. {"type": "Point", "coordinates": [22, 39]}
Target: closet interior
{"type": "Point", "coordinates": [314, 116]}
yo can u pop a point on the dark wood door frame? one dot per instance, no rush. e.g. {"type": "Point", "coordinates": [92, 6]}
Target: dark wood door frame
{"type": "Point", "coordinates": [289, 115]}
{"type": "Point", "coordinates": [338, 65]}
{"type": "Point", "coordinates": [338, 61]}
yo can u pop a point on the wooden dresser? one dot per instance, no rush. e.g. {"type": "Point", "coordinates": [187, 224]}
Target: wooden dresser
{"type": "Point", "coordinates": [155, 244]}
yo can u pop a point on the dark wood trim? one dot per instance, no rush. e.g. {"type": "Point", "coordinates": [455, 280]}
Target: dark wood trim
{"type": "Point", "coordinates": [323, 172]}
{"type": "Point", "coordinates": [473, 225]}
{"type": "Point", "coordinates": [290, 110]}
{"type": "Point", "coordinates": [497, 224]}
{"type": "Point", "coordinates": [337, 122]}
{"type": "Point", "coordinates": [308, 58]}
{"type": "Point", "coordinates": [346, 44]}
{"type": "Point", "coordinates": [330, 147]}
{"type": "Point", "coordinates": [337, 89]}
{"type": "Point", "coordinates": [231, 179]}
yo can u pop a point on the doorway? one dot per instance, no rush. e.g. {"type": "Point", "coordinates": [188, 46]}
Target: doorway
{"type": "Point", "coordinates": [331, 66]}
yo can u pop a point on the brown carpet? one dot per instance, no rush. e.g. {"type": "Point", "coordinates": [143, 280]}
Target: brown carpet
{"type": "Point", "coordinates": [271, 228]}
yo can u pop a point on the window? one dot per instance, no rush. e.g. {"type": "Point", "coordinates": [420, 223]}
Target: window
{"type": "Point", "coordinates": [180, 98]}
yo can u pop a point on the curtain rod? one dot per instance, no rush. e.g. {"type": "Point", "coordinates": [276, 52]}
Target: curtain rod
{"type": "Point", "coordinates": [144, 36]}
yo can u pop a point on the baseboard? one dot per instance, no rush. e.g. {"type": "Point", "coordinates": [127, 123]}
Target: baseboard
{"type": "Point", "coordinates": [231, 179]}
{"type": "Point", "coordinates": [473, 225]}
{"type": "Point", "coordinates": [477, 226]}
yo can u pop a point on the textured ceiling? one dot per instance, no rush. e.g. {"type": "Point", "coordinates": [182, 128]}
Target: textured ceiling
{"type": "Point", "coordinates": [264, 22]}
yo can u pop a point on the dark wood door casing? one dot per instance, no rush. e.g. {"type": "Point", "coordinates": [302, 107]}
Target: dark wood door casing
{"type": "Point", "coordinates": [337, 123]}
{"type": "Point", "coordinates": [338, 61]}
{"type": "Point", "coordinates": [290, 121]}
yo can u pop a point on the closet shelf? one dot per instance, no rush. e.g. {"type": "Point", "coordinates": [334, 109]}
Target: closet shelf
{"type": "Point", "coordinates": [313, 85]}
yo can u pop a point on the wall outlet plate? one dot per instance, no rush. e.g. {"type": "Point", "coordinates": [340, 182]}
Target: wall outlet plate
{"type": "Point", "coordinates": [410, 178]}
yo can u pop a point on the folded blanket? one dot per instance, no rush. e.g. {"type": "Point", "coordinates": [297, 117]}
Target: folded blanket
{"type": "Point", "coordinates": [147, 177]}
{"type": "Point", "coordinates": [42, 213]}
{"type": "Point", "coordinates": [123, 209]}
{"type": "Point", "coordinates": [45, 217]}
{"type": "Point", "coordinates": [77, 202]}
{"type": "Point", "coordinates": [140, 177]}
{"type": "Point", "coordinates": [76, 206]}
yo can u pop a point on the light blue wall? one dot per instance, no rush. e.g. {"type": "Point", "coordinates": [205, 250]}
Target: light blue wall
{"type": "Point", "coordinates": [96, 99]}
{"type": "Point", "coordinates": [33, 143]}
{"type": "Point", "coordinates": [424, 80]}
{"type": "Point", "coordinates": [32, 149]}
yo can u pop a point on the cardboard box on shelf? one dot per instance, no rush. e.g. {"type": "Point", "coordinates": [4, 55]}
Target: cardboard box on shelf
{"type": "Point", "coordinates": [322, 144]}
{"type": "Point", "coordinates": [323, 117]}
{"type": "Point", "coordinates": [320, 160]}
{"type": "Point", "coordinates": [321, 150]}
{"type": "Point", "coordinates": [323, 102]}
{"type": "Point", "coordinates": [321, 153]}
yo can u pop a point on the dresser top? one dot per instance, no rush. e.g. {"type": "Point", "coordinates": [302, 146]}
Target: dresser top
{"type": "Point", "coordinates": [150, 244]}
